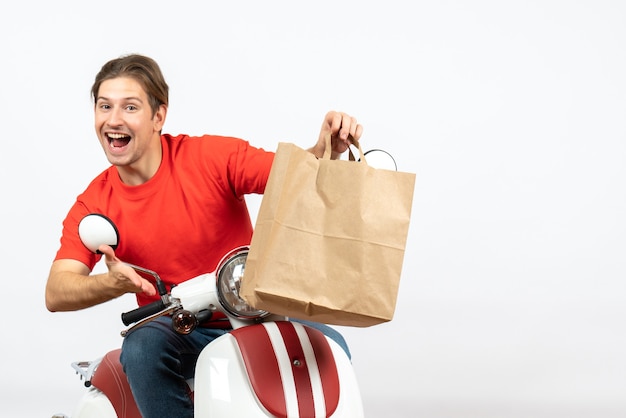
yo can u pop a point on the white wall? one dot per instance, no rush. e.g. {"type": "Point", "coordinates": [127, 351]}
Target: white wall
{"type": "Point", "coordinates": [510, 113]}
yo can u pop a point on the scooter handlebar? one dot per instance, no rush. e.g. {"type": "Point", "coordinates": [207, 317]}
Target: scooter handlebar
{"type": "Point", "coordinates": [142, 312]}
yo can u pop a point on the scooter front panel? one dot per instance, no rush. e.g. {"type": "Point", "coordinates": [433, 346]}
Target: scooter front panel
{"type": "Point", "coordinates": [223, 386]}
{"type": "Point", "coordinates": [307, 383]}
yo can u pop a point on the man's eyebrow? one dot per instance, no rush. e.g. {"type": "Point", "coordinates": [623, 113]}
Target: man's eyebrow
{"type": "Point", "coordinates": [124, 98]}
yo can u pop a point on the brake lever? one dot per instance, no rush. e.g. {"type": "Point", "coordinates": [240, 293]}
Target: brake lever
{"type": "Point", "coordinates": [166, 311]}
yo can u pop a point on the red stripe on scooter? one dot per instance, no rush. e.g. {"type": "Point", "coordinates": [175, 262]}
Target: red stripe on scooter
{"type": "Point", "coordinates": [302, 380]}
{"type": "Point", "coordinates": [262, 367]}
{"type": "Point", "coordinates": [264, 372]}
{"type": "Point", "coordinates": [327, 369]}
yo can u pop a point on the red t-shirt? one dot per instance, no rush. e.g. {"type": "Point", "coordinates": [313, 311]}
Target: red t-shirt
{"type": "Point", "coordinates": [184, 219]}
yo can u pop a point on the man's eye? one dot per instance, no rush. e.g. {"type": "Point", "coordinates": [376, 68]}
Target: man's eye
{"type": "Point", "coordinates": [131, 108]}
{"type": "Point", "coordinates": [105, 106]}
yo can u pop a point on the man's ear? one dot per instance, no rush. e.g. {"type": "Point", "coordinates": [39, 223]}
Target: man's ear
{"type": "Point", "coordinates": [159, 118]}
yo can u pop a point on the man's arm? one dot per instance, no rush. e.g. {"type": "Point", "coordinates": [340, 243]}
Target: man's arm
{"type": "Point", "coordinates": [70, 286]}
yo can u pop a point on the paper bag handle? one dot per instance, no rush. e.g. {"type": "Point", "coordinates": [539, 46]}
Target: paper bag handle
{"type": "Point", "coordinates": [354, 142]}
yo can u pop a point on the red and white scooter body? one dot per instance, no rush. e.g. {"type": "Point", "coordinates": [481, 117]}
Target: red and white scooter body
{"type": "Point", "coordinates": [276, 368]}
{"type": "Point", "coordinates": [273, 369]}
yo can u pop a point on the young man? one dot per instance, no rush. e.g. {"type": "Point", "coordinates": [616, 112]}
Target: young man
{"type": "Point", "coordinates": [178, 203]}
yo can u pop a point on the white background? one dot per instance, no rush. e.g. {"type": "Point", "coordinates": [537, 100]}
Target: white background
{"type": "Point", "coordinates": [510, 113]}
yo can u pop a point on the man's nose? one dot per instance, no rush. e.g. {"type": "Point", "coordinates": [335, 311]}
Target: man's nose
{"type": "Point", "coordinates": [115, 117]}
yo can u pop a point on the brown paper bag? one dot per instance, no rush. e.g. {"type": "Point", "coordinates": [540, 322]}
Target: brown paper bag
{"type": "Point", "coordinates": [329, 240]}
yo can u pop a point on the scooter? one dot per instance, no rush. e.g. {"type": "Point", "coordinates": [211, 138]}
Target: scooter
{"type": "Point", "coordinates": [267, 366]}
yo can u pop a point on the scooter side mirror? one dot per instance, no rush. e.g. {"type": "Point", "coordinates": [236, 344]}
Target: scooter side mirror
{"type": "Point", "coordinates": [379, 158]}
{"type": "Point", "coordinates": [96, 229]}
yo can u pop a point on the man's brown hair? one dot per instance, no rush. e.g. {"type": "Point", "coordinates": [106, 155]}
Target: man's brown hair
{"type": "Point", "coordinates": [142, 69]}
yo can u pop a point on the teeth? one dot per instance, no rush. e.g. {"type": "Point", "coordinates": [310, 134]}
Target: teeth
{"type": "Point", "coordinates": [117, 136]}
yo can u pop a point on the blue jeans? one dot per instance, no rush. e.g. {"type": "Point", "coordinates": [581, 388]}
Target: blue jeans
{"type": "Point", "coordinates": [158, 361]}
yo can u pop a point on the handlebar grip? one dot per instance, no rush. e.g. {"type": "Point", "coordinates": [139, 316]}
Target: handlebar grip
{"type": "Point", "coordinates": [142, 312]}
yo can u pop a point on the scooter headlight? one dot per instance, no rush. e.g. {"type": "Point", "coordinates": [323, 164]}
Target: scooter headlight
{"type": "Point", "coordinates": [229, 274]}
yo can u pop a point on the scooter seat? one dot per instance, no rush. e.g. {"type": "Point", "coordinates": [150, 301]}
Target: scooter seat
{"type": "Point", "coordinates": [111, 380]}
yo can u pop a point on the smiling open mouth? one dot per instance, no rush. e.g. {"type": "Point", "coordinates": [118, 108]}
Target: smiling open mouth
{"type": "Point", "coordinates": [118, 140]}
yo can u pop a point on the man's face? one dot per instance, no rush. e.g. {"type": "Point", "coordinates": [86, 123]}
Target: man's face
{"type": "Point", "coordinates": [128, 132]}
